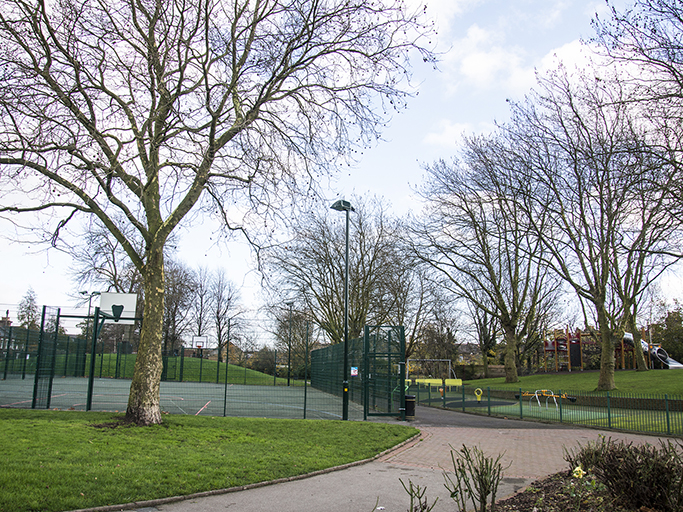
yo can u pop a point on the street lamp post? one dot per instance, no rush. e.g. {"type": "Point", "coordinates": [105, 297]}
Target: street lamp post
{"type": "Point", "coordinates": [344, 206]}
{"type": "Point", "coordinates": [91, 295]}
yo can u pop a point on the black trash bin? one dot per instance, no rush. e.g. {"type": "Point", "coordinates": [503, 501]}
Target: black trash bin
{"type": "Point", "coordinates": [410, 407]}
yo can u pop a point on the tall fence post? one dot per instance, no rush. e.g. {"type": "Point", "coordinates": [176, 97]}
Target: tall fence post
{"type": "Point", "coordinates": [306, 371]}
{"type": "Point", "coordinates": [521, 411]}
{"type": "Point", "coordinates": [93, 349]}
{"type": "Point", "coordinates": [182, 362]}
{"type": "Point", "coordinates": [225, 392]}
{"type": "Point", "coordinates": [463, 398]}
{"type": "Point", "coordinates": [668, 418]}
{"type": "Point", "coordinates": [9, 342]}
{"type": "Point", "coordinates": [366, 372]}
{"type": "Point", "coordinates": [39, 356]}
{"type": "Point", "coordinates": [25, 354]}
{"type": "Point", "coordinates": [488, 391]}
{"type": "Point", "coordinates": [201, 363]}
{"type": "Point", "coordinates": [560, 393]}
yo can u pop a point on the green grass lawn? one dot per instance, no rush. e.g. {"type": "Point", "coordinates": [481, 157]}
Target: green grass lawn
{"type": "Point", "coordinates": [54, 461]}
{"type": "Point", "coordinates": [658, 382]}
{"type": "Point", "coordinates": [194, 370]}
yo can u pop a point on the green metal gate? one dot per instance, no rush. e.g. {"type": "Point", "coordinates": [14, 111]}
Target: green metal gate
{"type": "Point", "coordinates": [377, 370]}
{"type": "Point", "coordinates": [384, 371]}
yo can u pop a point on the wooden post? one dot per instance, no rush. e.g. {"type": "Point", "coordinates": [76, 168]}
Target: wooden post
{"type": "Point", "coordinates": [557, 365]}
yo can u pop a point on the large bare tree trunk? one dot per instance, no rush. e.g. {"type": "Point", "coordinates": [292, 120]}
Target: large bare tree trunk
{"type": "Point", "coordinates": [510, 356]}
{"type": "Point", "coordinates": [606, 379]}
{"type": "Point", "coordinates": [143, 401]}
{"type": "Point", "coordinates": [637, 347]}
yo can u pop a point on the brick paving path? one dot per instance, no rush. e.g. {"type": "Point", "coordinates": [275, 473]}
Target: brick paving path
{"type": "Point", "coordinates": [531, 453]}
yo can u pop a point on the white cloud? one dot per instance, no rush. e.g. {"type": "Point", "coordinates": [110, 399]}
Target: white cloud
{"type": "Point", "coordinates": [448, 135]}
{"type": "Point", "coordinates": [482, 59]}
{"type": "Point", "coordinates": [573, 55]}
{"type": "Point", "coordinates": [444, 11]}
{"type": "Point", "coordinates": [551, 15]}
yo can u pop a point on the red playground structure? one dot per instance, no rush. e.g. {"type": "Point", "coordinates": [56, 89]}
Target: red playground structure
{"type": "Point", "coordinates": [565, 350]}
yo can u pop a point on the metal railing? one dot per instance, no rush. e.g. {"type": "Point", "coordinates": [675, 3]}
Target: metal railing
{"type": "Point", "coordinates": [644, 413]}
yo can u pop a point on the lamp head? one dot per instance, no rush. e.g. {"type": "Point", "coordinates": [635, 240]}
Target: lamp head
{"type": "Point", "coordinates": [342, 206]}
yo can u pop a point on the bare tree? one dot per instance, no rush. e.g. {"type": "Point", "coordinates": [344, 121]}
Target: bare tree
{"type": "Point", "coordinates": [201, 302]}
{"type": "Point", "coordinates": [310, 266]}
{"type": "Point", "coordinates": [582, 168]}
{"type": "Point", "coordinates": [225, 310]}
{"type": "Point", "coordinates": [139, 113]}
{"type": "Point", "coordinates": [100, 262]}
{"type": "Point", "coordinates": [486, 329]}
{"type": "Point", "coordinates": [412, 298]}
{"type": "Point", "coordinates": [646, 40]}
{"type": "Point", "coordinates": [177, 304]}
{"type": "Point", "coordinates": [294, 334]}
{"type": "Point", "coordinates": [474, 237]}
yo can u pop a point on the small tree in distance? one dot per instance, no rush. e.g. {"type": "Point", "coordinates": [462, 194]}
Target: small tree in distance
{"type": "Point", "coordinates": [28, 314]}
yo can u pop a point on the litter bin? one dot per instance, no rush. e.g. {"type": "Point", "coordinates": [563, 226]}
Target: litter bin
{"type": "Point", "coordinates": [410, 407]}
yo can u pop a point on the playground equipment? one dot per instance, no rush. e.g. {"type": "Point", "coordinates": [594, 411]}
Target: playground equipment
{"type": "Point", "coordinates": [478, 392]}
{"type": "Point", "coordinates": [547, 394]}
{"type": "Point", "coordinates": [661, 357]}
{"type": "Point", "coordinates": [430, 369]}
{"type": "Point", "coordinates": [656, 356]}
{"type": "Point", "coordinates": [566, 350]}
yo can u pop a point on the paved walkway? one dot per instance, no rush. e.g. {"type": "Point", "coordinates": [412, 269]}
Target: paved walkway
{"type": "Point", "coordinates": [533, 450]}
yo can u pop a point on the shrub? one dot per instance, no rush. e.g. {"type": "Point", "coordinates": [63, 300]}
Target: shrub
{"type": "Point", "coordinates": [640, 476]}
{"type": "Point", "coordinates": [475, 477]}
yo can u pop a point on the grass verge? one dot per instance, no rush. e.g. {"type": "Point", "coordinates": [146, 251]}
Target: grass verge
{"type": "Point", "coordinates": [55, 461]}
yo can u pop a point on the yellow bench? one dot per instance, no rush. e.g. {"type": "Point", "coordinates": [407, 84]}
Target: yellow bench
{"type": "Point", "coordinates": [439, 382]}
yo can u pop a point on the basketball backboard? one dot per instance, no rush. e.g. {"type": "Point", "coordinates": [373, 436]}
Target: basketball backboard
{"type": "Point", "coordinates": [110, 303]}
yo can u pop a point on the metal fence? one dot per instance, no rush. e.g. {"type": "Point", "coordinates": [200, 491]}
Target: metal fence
{"type": "Point", "coordinates": [376, 366]}
{"type": "Point", "coordinates": [646, 413]}
{"type": "Point", "coordinates": [45, 369]}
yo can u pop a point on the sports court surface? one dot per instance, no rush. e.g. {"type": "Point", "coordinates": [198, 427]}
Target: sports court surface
{"type": "Point", "coordinates": [296, 402]}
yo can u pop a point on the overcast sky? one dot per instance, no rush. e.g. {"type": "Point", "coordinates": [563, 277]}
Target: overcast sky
{"type": "Point", "coordinates": [491, 50]}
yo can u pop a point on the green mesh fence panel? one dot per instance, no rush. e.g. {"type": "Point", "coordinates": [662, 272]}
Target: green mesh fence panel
{"type": "Point", "coordinates": [384, 371]}
{"type": "Point", "coordinates": [376, 368]}
{"type": "Point", "coordinates": [19, 352]}
{"type": "Point", "coordinates": [45, 361]}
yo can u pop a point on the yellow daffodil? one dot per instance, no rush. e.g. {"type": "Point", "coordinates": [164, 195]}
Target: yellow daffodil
{"type": "Point", "coordinates": [578, 472]}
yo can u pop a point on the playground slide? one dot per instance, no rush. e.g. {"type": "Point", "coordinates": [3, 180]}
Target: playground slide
{"type": "Point", "coordinates": [658, 355]}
